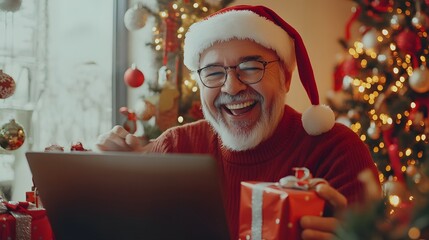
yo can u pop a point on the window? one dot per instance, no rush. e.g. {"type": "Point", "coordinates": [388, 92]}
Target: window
{"type": "Point", "coordinates": [60, 54]}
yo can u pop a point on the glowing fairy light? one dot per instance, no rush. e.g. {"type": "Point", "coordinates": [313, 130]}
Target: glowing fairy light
{"type": "Point", "coordinates": [394, 200]}
{"type": "Point", "coordinates": [180, 119]}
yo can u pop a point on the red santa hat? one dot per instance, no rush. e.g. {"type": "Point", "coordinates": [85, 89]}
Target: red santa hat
{"type": "Point", "coordinates": [265, 27]}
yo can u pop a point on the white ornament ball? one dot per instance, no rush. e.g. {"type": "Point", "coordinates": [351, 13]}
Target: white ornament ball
{"type": "Point", "coordinates": [135, 18]}
{"type": "Point", "coordinates": [10, 5]}
{"type": "Point", "coordinates": [419, 80]}
{"type": "Point", "coordinates": [369, 39]}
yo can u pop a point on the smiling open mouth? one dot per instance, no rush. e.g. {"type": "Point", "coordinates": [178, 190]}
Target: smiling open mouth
{"type": "Point", "coordinates": [239, 108]}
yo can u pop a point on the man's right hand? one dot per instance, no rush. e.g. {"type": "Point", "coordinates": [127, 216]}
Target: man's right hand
{"type": "Point", "coordinates": [119, 139]}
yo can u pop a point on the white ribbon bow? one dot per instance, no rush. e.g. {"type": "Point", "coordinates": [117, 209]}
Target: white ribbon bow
{"type": "Point", "coordinates": [302, 180]}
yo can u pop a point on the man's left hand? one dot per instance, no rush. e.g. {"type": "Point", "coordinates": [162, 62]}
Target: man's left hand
{"type": "Point", "coordinates": [321, 228]}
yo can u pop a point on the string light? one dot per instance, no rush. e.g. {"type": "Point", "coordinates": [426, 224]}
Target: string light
{"type": "Point", "coordinates": [180, 119]}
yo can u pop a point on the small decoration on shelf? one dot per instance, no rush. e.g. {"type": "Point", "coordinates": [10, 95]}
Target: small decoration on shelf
{"type": "Point", "coordinates": [54, 148]}
{"type": "Point", "coordinates": [78, 147]}
{"type": "Point", "coordinates": [12, 135]}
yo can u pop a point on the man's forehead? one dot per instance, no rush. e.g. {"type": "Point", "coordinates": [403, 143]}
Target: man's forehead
{"type": "Point", "coordinates": [235, 50]}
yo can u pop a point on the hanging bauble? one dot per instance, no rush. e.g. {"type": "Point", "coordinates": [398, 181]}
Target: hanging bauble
{"type": "Point", "coordinates": [348, 67]}
{"type": "Point", "coordinates": [408, 42]}
{"type": "Point", "coordinates": [419, 80]}
{"type": "Point", "coordinates": [7, 85]}
{"type": "Point", "coordinates": [373, 131]}
{"type": "Point", "coordinates": [133, 77]}
{"type": "Point", "coordinates": [135, 18]}
{"type": "Point", "coordinates": [397, 21]}
{"type": "Point", "coordinates": [369, 39]}
{"type": "Point", "coordinates": [12, 135]}
{"type": "Point", "coordinates": [10, 5]}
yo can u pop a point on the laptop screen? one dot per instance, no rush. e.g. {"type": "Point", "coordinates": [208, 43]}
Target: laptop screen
{"type": "Point", "coordinates": [130, 196]}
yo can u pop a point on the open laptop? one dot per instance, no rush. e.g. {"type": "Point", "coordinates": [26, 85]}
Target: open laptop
{"type": "Point", "coordinates": [116, 195]}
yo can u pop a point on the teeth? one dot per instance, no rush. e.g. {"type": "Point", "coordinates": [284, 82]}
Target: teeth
{"type": "Point", "coordinates": [239, 105]}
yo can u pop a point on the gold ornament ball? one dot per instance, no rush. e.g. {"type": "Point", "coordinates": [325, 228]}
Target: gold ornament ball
{"type": "Point", "coordinates": [12, 135]}
{"type": "Point", "coordinates": [419, 80]}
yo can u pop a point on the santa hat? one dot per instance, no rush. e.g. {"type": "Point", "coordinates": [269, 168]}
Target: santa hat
{"type": "Point", "coordinates": [265, 27]}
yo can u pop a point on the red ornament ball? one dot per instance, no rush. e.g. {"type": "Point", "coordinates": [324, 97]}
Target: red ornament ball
{"type": "Point", "coordinates": [7, 85]}
{"type": "Point", "coordinates": [348, 67]}
{"type": "Point", "coordinates": [133, 77]}
{"type": "Point", "coordinates": [408, 42]}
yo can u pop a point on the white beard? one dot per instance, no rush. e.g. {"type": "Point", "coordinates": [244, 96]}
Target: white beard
{"type": "Point", "coordinates": [250, 139]}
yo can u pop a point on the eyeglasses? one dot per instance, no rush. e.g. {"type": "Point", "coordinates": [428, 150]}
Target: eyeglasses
{"type": "Point", "coordinates": [248, 72]}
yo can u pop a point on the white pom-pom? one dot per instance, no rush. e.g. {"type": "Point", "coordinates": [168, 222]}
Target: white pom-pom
{"type": "Point", "coordinates": [318, 119]}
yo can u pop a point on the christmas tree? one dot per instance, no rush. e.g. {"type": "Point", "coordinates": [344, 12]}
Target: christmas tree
{"type": "Point", "coordinates": [173, 98]}
{"type": "Point", "coordinates": [381, 91]}
{"type": "Point", "coordinates": [382, 83]}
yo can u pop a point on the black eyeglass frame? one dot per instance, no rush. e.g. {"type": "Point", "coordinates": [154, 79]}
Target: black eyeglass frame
{"type": "Point", "coordinates": [264, 63]}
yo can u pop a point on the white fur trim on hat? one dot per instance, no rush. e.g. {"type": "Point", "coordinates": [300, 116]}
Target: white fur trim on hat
{"type": "Point", "coordinates": [318, 119]}
{"type": "Point", "coordinates": [243, 24]}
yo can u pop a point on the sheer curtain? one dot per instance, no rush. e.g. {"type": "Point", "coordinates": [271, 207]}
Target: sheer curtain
{"type": "Point", "coordinates": [70, 74]}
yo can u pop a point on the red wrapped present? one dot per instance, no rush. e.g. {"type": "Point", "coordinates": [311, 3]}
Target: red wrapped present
{"type": "Point", "coordinates": [21, 221]}
{"type": "Point", "coordinates": [271, 210]}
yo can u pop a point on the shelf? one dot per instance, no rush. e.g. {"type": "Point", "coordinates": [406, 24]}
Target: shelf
{"type": "Point", "coordinates": [14, 107]}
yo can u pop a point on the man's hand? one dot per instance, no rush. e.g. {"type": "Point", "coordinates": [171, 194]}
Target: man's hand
{"type": "Point", "coordinates": [119, 139]}
{"type": "Point", "coordinates": [321, 228]}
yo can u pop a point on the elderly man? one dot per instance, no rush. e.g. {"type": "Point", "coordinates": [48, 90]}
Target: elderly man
{"type": "Point", "coordinates": [243, 57]}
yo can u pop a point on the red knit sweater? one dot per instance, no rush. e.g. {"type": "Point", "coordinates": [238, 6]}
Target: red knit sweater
{"type": "Point", "coordinates": [337, 156]}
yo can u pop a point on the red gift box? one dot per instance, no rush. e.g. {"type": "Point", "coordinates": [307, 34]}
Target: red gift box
{"type": "Point", "coordinates": [270, 210]}
{"type": "Point", "coordinates": [20, 221]}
